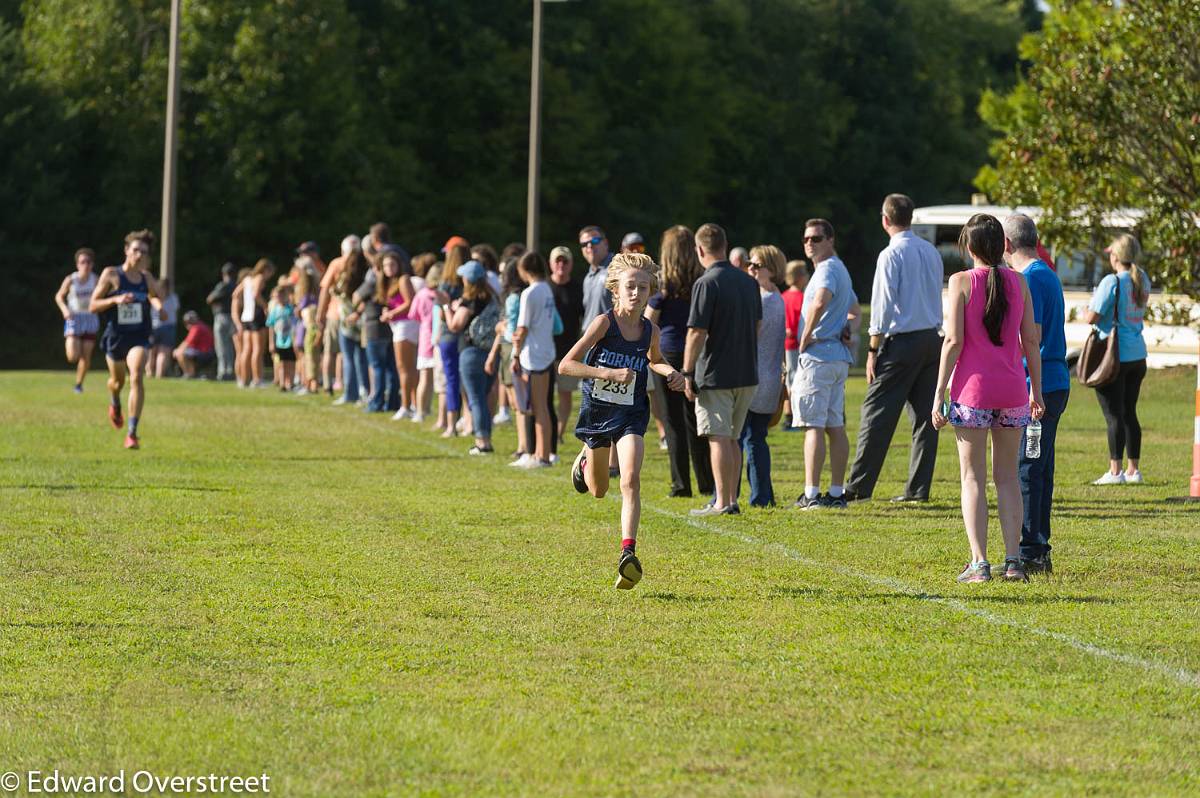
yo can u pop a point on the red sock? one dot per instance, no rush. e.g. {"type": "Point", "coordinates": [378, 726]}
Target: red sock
{"type": "Point", "coordinates": [628, 543]}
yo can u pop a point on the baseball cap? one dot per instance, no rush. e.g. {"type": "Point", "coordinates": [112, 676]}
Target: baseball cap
{"type": "Point", "coordinates": [308, 247]}
{"type": "Point", "coordinates": [191, 317]}
{"type": "Point", "coordinates": [472, 271]}
{"type": "Point", "coordinates": [454, 241]}
{"type": "Point", "coordinates": [632, 238]}
{"type": "Point", "coordinates": [560, 252]}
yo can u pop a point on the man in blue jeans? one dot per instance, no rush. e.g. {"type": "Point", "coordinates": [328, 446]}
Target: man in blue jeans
{"type": "Point", "coordinates": [1037, 474]}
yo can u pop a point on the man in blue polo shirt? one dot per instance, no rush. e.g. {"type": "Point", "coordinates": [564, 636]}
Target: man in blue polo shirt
{"type": "Point", "coordinates": [1037, 475]}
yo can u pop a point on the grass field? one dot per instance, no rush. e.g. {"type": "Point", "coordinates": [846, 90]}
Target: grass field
{"type": "Point", "coordinates": [357, 608]}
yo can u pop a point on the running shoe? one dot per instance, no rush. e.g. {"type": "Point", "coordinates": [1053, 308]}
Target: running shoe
{"type": "Point", "coordinates": [712, 509]}
{"type": "Point", "coordinates": [476, 450]}
{"type": "Point", "coordinates": [813, 503]}
{"type": "Point", "coordinates": [553, 459]}
{"type": "Point", "coordinates": [833, 502]}
{"type": "Point", "coordinates": [341, 400]}
{"type": "Point", "coordinates": [577, 478]}
{"type": "Point", "coordinates": [629, 570]}
{"type": "Point", "coordinates": [662, 444]}
{"type": "Point", "coordinates": [521, 460]}
{"type": "Point", "coordinates": [502, 417]}
{"type": "Point", "coordinates": [1013, 571]}
{"type": "Point", "coordinates": [536, 462]}
{"type": "Point", "coordinates": [114, 417]}
{"type": "Point", "coordinates": [1110, 478]}
{"type": "Point", "coordinates": [400, 414]}
{"type": "Point", "coordinates": [976, 572]}
{"type": "Point", "coordinates": [1038, 565]}
{"type": "Point", "coordinates": [1133, 479]}
{"type": "Point", "coordinates": [78, 387]}
{"type": "Point", "coordinates": [131, 442]}
{"type": "Point", "coordinates": [416, 417]}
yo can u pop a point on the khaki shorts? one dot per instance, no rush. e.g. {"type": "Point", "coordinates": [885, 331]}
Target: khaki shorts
{"type": "Point", "coordinates": [570, 384]}
{"type": "Point", "coordinates": [722, 411]}
{"type": "Point", "coordinates": [819, 394]}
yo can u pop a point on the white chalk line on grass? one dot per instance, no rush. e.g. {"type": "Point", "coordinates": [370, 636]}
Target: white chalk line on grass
{"type": "Point", "coordinates": [1181, 675]}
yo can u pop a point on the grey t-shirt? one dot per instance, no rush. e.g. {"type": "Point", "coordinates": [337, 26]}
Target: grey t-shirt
{"type": "Point", "coordinates": [597, 300]}
{"type": "Point", "coordinates": [770, 354]}
{"type": "Point", "coordinates": [725, 302]}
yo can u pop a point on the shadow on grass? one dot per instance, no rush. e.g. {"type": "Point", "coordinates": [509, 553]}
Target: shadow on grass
{"type": "Point", "coordinates": [391, 458]}
{"type": "Point", "coordinates": [686, 599]}
{"type": "Point", "coordinates": [1022, 598]}
{"type": "Point", "coordinates": [787, 591]}
{"type": "Point", "coordinates": [65, 486]}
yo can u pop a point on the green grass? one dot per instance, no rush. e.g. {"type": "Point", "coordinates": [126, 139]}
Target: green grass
{"type": "Point", "coordinates": [357, 608]}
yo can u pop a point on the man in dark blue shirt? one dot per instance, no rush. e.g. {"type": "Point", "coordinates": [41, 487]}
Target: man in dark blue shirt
{"type": "Point", "coordinates": [1037, 474]}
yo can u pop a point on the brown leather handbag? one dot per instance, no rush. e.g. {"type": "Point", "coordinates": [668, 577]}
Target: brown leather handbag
{"type": "Point", "coordinates": [1101, 358]}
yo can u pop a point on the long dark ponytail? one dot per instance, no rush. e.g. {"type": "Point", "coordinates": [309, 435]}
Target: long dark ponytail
{"type": "Point", "coordinates": [983, 237]}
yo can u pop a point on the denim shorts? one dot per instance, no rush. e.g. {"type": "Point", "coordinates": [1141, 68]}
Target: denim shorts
{"type": "Point", "coordinates": [979, 418]}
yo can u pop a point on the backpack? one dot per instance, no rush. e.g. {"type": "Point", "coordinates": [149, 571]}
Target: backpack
{"type": "Point", "coordinates": [481, 332]}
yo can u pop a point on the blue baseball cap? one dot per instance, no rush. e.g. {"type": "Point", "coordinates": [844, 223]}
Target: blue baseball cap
{"type": "Point", "coordinates": [472, 271]}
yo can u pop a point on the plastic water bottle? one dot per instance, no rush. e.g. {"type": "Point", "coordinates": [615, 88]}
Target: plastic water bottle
{"type": "Point", "coordinates": [1033, 440]}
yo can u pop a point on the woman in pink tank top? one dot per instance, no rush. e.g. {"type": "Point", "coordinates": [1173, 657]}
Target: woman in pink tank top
{"type": "Point", "coordinates": [989, 328]}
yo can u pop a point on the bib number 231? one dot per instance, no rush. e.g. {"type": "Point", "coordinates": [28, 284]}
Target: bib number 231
{"type": "Point", "coordinates": [129, 314]}
{"type": "Point", "coordinates": [617, 393]}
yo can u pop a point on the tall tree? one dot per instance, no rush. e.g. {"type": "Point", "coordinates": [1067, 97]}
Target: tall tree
{"type": "Point", "coordinates": [1108, 117]}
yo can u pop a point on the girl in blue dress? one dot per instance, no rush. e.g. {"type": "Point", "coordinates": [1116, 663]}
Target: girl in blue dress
{"type": "Point", "coordinates": [613, 358]}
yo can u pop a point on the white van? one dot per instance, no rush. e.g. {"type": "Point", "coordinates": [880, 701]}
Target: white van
{"type": "Point", "coordinates": [941, 224]}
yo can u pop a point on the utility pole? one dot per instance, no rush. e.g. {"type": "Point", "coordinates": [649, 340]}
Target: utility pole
{"type": "Point", "coordinates": [166, 268]}
{"type": "Point", "coordinates": [535, 133]}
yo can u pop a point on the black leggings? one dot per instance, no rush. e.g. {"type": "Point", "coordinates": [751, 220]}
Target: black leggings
{"type": "Point", "coordinates": [1118, 402]}
{"type": "Point", "coordinates": [531, 422]}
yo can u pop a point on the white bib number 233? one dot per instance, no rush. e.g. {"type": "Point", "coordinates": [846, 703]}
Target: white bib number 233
{"type": "Point", "coordinates": [616, 393]}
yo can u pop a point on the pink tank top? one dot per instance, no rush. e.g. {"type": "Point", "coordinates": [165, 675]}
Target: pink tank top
{"type": "Point", "coordinates": [987, 376]}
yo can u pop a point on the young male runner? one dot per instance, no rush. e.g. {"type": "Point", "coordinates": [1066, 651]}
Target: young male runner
{"type": "Point", "coordinates": [125, 295]}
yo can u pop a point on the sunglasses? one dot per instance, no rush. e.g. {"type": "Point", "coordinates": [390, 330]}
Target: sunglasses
{"type": "Point", "coordinates": [754, 265]}
{"type": "Point", "coordinates": [814, 239]}
{"type": "Point", "coordinates": [592, 242]}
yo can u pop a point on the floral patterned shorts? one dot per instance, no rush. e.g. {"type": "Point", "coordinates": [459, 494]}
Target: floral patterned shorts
{"type": "Point", "coordinates": [978, 418]}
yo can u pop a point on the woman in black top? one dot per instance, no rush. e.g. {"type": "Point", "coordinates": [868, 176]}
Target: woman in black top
{"type": "Point", "coordinates": [669, 310]}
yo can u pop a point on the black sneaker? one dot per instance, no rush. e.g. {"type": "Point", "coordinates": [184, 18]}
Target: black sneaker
{"type": "Point", "coordinates": [851, 497]}
{"type": "Point", "coordinates": [805, 503]}
{"type": "Point", "coordinates": [577, 478]}
{"type": "Point", "coordinates": [629, 570]}
{"type": "Point", "coordinates": [1038, 565]}
{"type": "Point", "coordinates": [833, 502]}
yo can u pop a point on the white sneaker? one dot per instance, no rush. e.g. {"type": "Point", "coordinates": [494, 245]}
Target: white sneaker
{"type": "Point", "coordinates": [1133, 479]}
{"type": "Point", "coordinates": [1110, 478]}
{"type": "Point", "coordinates": [534, 462]}
{"type": "Point", "coordinates": [502, 417]}
{"type": "Point", "coordinates": [554, 459]}
{"type": "Point", "coordinates": [521, 461]}
{"type": "Point", "coordinates": [415, 417]}
{"type": "Point", "coordinates": [341, 400]}
{"type": "Point", "coordinates": [461, 426]}
{"type": "Point", "coordinates": [400, 414]}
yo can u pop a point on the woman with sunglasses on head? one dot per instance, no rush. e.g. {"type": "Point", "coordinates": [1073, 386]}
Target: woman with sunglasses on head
{"type": "Point", "coordinates": [126, 295]}
{"type": "Point", "coordinates": [764, 264]}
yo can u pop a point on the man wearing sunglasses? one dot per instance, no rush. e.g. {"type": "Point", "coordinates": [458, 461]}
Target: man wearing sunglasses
{"type": "Point", "coordinates": [596, 298]}
{"type": "Point", "coordinates": [903, 356]}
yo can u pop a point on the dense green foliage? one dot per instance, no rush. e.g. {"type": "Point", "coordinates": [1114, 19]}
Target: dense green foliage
{"type": "Point", "coordinates": [1108, 117]}
{"type": "Point", "coordinates": [358, 608]}
{"type": "Point", "coordinates": [313, 118]}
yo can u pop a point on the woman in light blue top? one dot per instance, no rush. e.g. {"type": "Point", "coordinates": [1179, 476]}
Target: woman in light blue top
{"type": "Point", "coordinates": [767, 264]}
{"type": "Point", "coordinates": [1126, 292]}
